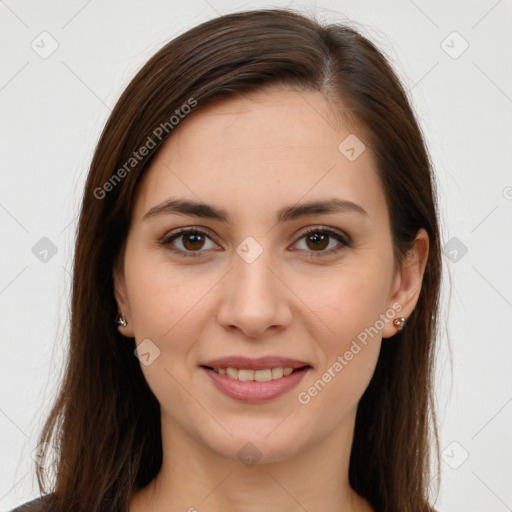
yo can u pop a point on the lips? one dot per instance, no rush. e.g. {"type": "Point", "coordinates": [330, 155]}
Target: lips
{"type": "Point", "coordinates": [252, 391]}
{"type": "Point", "coordinates": [261, 363]}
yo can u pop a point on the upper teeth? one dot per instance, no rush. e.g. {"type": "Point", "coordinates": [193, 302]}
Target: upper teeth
{"type": "Point", "coordinates": [257, 375]}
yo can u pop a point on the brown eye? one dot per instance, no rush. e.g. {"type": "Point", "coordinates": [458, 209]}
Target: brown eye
{"type": "Point", "coordinates": [192, 241]}
{"type": "Point", "coordinates": [318, 239]}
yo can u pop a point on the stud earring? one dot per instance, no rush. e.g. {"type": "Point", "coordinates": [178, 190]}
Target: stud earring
{"type": "Point", "coordinates": [121, 321]}
{"type": "Point", "coordinates": [399, 323]}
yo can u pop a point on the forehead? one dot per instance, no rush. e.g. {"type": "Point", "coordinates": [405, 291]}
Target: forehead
{"type": "Point", "coordinates": [260, 151]}
{"type": "Point", "coordinates": [270, 118]}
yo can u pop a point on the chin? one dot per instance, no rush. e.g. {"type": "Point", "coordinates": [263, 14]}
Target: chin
{"type": "Point", "coordinates": [257, 447]}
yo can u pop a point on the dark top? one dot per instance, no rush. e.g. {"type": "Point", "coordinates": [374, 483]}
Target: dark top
{"type": "Point", "coordinates": [37, 505]}
{"type": "Point", "coordinates": [40, 505]}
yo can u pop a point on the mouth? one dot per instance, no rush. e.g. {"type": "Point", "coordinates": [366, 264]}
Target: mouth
{"type": "Point", "coordinates": [255, 386]}
{"type": "Point", "coordinates": [264, 375]}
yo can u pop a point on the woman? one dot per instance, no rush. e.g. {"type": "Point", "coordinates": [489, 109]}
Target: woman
{"type": "Point", "coordinates": [256, 283]}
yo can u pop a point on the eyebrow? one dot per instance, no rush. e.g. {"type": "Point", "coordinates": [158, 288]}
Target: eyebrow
{"type": "Point", "coordinates": [288, 213]}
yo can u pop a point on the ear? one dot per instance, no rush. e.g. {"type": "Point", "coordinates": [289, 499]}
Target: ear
{"type": "Point", "coordinates": [407, 282]}
{"type": "Point", "coordinates": [121, 296]}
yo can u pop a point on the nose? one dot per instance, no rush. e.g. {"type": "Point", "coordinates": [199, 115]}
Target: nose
{"type": "Point", "coordinates": [254, 298]}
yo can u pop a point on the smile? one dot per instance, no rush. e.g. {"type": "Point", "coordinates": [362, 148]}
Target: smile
{"type": "Point", "coordinates": [255, 375]}
{"type": "Point", "coordinates": [254, 386]}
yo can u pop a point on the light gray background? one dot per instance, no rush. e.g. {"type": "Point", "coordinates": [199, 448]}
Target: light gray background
{"type": "Point", "coordinates": [53, 110]}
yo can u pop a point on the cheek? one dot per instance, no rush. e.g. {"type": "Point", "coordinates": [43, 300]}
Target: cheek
{"type": "Point", "coordinates": [348, 301]}
{"type": "Point", "coordinates": [161, 296]}
{"type": "Point", "coordinates": [164, 302]}
{"type": "Point", "coordinates": [350, 306]}
{"type": "Point", "coordinates": [336, 390]}
{"type": "Point", "coordinates": [166, 309]}
{"type": "Point", "coordinates": [348, 355]}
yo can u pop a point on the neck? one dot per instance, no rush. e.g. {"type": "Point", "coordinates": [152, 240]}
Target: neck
{"type": "Point", "coordinates": [195, 478]}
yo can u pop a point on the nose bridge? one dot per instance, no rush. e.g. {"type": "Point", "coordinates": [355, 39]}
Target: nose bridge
{"type": "Point", "coordinates": [253, 298]}
{"type": "Point", "coordinates": [252, 279]}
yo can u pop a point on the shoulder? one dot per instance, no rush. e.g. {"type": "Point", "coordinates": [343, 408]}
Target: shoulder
{"type": "Point", "coordinates": [37, 505]}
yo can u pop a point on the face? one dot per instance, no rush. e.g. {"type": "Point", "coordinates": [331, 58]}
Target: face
{"type": "Point", "coordinates": [268, 278]}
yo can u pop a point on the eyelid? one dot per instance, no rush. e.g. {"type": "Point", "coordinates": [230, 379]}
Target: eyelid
{"type": "Point", "coordinates": [326, 229]}
{"type": "Point", "coordinates": [189, 229]}
{"type": "Point", "coordinates": [175, 234]}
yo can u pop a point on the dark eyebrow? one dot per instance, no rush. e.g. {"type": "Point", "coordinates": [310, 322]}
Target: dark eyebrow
{"type": "Point", "coordinates": [203, 210]}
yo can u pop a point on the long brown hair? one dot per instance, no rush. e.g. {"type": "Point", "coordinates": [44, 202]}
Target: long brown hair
{"type": "Point", "coordinates": [105, 424]}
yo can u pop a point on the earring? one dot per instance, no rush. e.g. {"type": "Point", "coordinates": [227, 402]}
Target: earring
{"type": "Point", "coordinates": [121, 321]}
{"type": "Point", "coordinates": [399, 323]}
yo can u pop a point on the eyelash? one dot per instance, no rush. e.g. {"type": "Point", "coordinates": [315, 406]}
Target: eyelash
{"type": "Point", "coordinates": [170, 237]}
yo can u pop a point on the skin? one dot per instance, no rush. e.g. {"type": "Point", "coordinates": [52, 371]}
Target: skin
{"type": "Point", "coordinates": [252, 156]}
